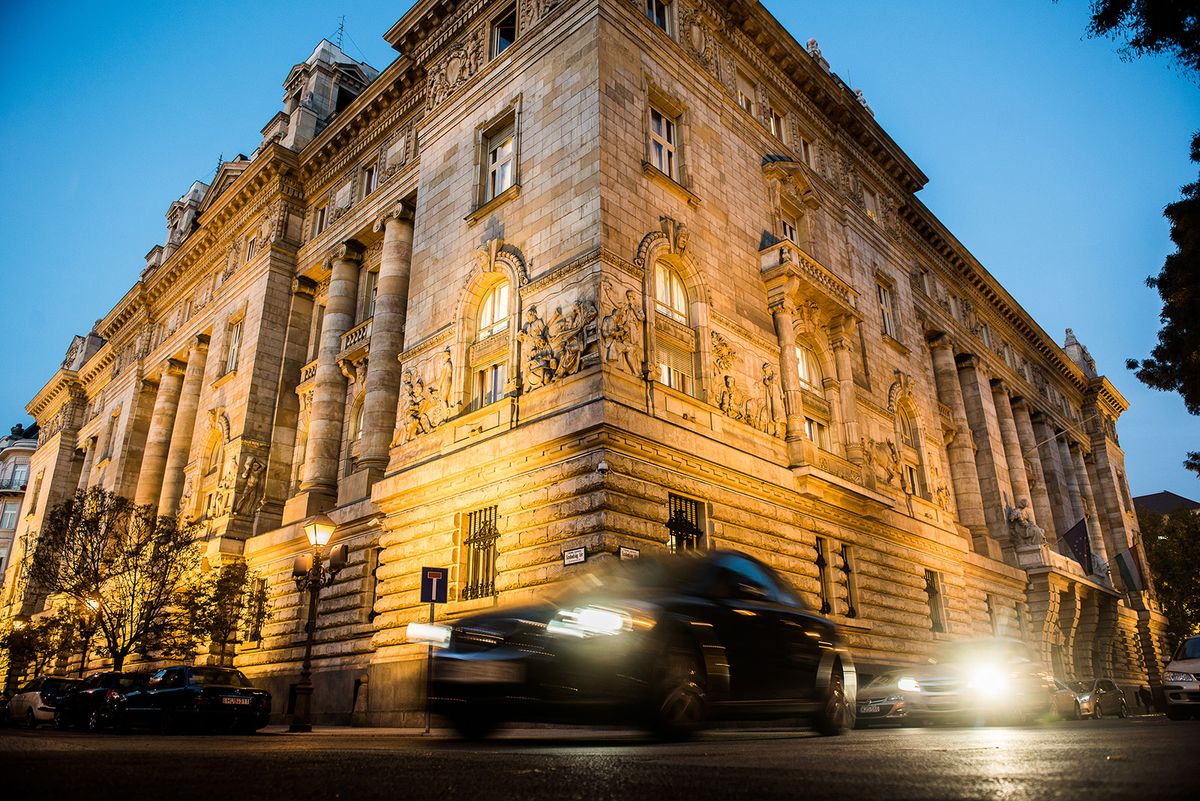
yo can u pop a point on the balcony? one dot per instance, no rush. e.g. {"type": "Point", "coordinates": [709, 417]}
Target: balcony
{"type": "Point", "coordinates": [356, 336]}
{"type": "Point", "coordinates": [308, 372]}
{"type": "Point", "coordinates": [12, 483]}
{"type": "Point", "coordinates": [790, 268]}
{"type": "Point", "coordinates": [355, 345]}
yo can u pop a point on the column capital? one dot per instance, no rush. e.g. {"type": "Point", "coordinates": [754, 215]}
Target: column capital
{"type": "Point", "coordinates": [1000, 387]}
{"type": "Point", "coordinates": [201, 341]}
{"type": "Point", "coordinates": [841, 328]}
{"type": "Point", "coordinates": [174, 367]}
{"type": "Point", "coordinates": [401, 212]}
{"type": "Point", "coordinates": [939, 340]}
{"type": "Point", "coordinates": [967, 360]}
{"type": "Point", "coordinates": [350, 250]}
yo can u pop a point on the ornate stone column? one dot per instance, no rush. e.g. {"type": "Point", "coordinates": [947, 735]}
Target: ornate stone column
{"type": "Point", "coordinates": [387, 338]}
{"type": "Point", "coordinates": [1095, 532]}
{"type": "Point", "coordinates": [960, 449]}
{"type": "Point", "coordinates": [185, 424]}
{"type": "Point", "coordinates": [1071, 479]}
{"type": "Point", "coordinates": [1052, 471]}
{"type": "Point", "coordinates": [839, 340]}
{"type": "Point", "coordinates": [329, 396]}
{"type": "Point", "coordinates": [1042, 509]}
{"type": "Point", "coordinates": [1017, 479]}
{"type": "Point", "coordinates": [789, 367]}
{"type": "Point", "coordinates": [158, 440]}
{"type": "Point", "coordinates": [990, 462]}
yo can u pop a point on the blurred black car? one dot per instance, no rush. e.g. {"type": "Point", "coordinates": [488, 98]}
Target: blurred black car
{"type": "Point", "coordinates": [666, 643]}
{"type": "Point", "coordinates": [95, 703]}
{"type": "Point", "coordinates": [188, 698]}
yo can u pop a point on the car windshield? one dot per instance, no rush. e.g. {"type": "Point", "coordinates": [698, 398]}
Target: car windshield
{"type": "Point", "coordinates": [1081, 687]}
{"type": "Point", "coordinates": [883, 681]}
{"type": "Point", "coordinates": [1188, 649]}
{"type": "Point", "coordinates": [58, 685]}
{"type": "Point", "coordinates": [205, 676]}
{"type": "Point", "coordinates": [631, 578]}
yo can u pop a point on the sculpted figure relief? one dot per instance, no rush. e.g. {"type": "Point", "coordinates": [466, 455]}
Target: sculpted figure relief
{"type": "Point", "coordinates": [885, 457]}
{"type": "Point", "coordinates": [556, 349]}
{"type": "Point", "coordinates": [772, 416]}
{"type": "Point", "coordinates": [535, 340]}
{"type": "Point", "coordinates": [1026, 532]}
{"type": "Point", "coordinates": [732, 400]}
{"type": "Point", "coordinates": [251, 493]}
{"type": "Point", "coordinates": [424, 409]}
{"type": "Point", "coordinates": [619, 334]}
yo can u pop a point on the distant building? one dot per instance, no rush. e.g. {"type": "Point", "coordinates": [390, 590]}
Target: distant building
{"type": "Point", "coordinates": [15, 452]}
{"type": "Point", "coordinates": [599, 274]}
{"type": "Point", "coordinates": [1165, 503]}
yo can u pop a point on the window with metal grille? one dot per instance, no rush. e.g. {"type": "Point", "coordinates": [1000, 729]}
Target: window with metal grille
{"type": "Point", "coordinates": [685, 524]}
{"type": "Point", "coordinates": [371, 583]}
{"type": "Point", "coordinates": [933, 591]}
{"type": "Point", "coordinates": [822, 563]}
{"type": "Point", "coordinates": [851, 581]}
{"type": "Point", "coordinates": [479, 547]}
{"type": "Point", "coordinates": [258, 603]}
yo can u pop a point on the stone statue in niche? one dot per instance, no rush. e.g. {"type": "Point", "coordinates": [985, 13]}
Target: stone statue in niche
{"type": "Point", "coordinates": [732, 401]}
{"type": "Point", "coordinates": [771, 417]}
{"type": "Point", "coordinates": [619, 334]}
{"type": "Point", "coordinates": [885, 457]}
{"type": "Point", "coordinates": [1026, 533]}
{"type": "Point", "coordinates": [185, 500]}
{"type": "Point", "coordinates": [251, 493]}
{"type": "Point", "coordinates": [424, 409]}
{"type": "Point", "coordinates": [535, 340]}
{"type": "Point", "coordinates": [445, 377]}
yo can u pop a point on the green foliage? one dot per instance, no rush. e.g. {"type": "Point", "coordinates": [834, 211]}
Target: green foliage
{"type": "Point", "coordinates": [1173, 550]}
{"type": "Point", "coordinates": [225, 602]}
{"type": "Point", "coordinates": [1152, 27]}
{"type": "Point", "coordinates": [28, 650]}
{"type": "Point", "coordinates": [1174, 363]}
{"type": "Point", "coordinates": [100, 548]}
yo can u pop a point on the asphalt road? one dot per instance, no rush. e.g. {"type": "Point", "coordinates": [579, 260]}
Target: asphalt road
{"type": "Point", "coordinates": [1139, 758]}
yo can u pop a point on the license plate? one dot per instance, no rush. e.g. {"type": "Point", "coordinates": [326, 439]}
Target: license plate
{"type": "Point", "coordinates": [236, 700]}
{"type": "Point", "coordinates": [473, 671]}
{"type": "Point", "coordinates": [866, 710]}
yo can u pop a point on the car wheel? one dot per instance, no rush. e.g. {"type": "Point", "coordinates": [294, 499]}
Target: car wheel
{"type": "Point", "coordinates": [30, 720]}
{"type": "Point", "coordinates": [94, 721]}
{"type": "Point", "coordinates": [474, 724]}
{"type": "Point", "coordinates": [679, 700]}
{"type": "Point", "coordinates": [836, 716]}
{"type": "Point", "coordinates": [1078, 711]}
{"type": "Point", "coordinates": [1098, 711]}
{"type": "Point", "coordinates": [1124, 711]}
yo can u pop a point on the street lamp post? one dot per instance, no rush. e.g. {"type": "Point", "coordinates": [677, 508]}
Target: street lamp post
{"type": "Point", "coordinates": [312, 575]}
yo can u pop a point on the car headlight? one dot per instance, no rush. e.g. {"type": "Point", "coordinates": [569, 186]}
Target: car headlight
{"type": "Point", "coordinates": [593, 621]}
{"type": "Point", "coordinates": [908, 684]}
{"type": "Point", "coordinates": [892, 699]}
{"type": "Point", "coordinates": [989, 680]}
{"type": "Point", "coordinates": [1175, 675]}
{"type": "Point", "coordinates": [433, 634]}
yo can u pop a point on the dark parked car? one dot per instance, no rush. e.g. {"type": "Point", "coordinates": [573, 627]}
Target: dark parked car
{"type": "Point", "coordinates": [95, 703]}
{"type": "Point", "coordinates": [34, 703]}
{"type": "Point", "coordinates": [1104, 696]}
{"type": "Point", "coordinates": [187, 697]}
{"type": "Point", "coordinates": [667, 643]}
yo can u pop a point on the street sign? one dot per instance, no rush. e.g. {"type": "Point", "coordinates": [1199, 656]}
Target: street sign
{"type": "Point", "coordinates": [628, 553]}
{"type": "Point", "coordinates": [574, 556]}
{"type": "Point", "coordinates": [433, 584]}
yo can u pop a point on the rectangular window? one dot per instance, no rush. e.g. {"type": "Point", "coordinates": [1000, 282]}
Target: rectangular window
{"type": "Point", "coordinates": [921, 281]}
{"type": "Point", "coordinates": [233, 342]}
{"type": "Point", "coordinates": [912, 482]}
{"type": "Point", "coordinates": [778, 123]}
{"type": "Point", "coordinates": [993, 621]}
{"type": "Point", "coordinates": [745, 93]}
{"type": "Point", "coordinates": [499, 163]}
{"type": "Point", "coordinates": [369, 293]}
{"type": "Point", "coordinates": [479, 554]}
{"type": "Point", "coordinates": [258, 597]}
{"type": "Point", "coordinates": [851, 580]}
{"type": "Point", "coordinates": [933, 592]}
{"type": "Point", "coordinates": [985, 333]}
{"type": "Point", "coordinates": [806, 151]}
{"type": "Point", "coordinates": [817, 433]}
{"type": "Point", "coordinates": [675, 367]}
{"type": "Point", "coordinates": [369, 179]}
{"type": "Point", "coordinates": [659, 12]}
{"type": "Point", "coordinates": [685, 524]}
{"type": "Point", "coordinates": [823, 581]}
{"type": "Point", "coordinates": [504, 31]}
{"type": "Point", "coordinates": [871, 204]}
{"type": "Point", "coordinates": [319, 220]}
{"type": "Point", "coordinates": [20, 476]}
{"type": "Point", "coordinates": [489, 384]}
{"type": "Point", "coordinates": [790, 228]}
{"type": "Point", "coordinates": [251, 248]}
{"type": "Point", "coordinates": [887, 310]}
{"type": "Point", "coordinates": [371, 583]}
{"type": "Point", "coordinates": [8, 519]}
{"type": "Point", "coordinates": [663, 144]}
{"type": "Point", "coordinates": [808, 367]}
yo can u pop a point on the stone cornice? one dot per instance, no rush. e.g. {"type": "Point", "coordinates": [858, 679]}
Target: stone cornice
{"type": "Point", "coordinates": [51, 396]}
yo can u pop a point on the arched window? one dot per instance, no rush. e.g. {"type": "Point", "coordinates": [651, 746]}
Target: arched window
{"type": "Point", "coordinates": [493, 311]}
{"type": "Point", "coordinates": [809, 368]}
{"type": "Point", "coordinates": [669, 295]}
{"type": "Point", "coordinates": [818, 407]}
{"type": "Point", "coordinates": [910, 453]}
{"type": "Point", "coordinates": [675, 346]}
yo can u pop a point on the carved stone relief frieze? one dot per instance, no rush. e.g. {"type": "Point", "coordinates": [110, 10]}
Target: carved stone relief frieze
{"type": "Point", "coordinates": [425, 406]}
{"type": "Point", "coordinates": [533, 11]}
{"type": "Point", "coordinates": [761, 407]}
{"type": "Point", "coordinates": [455, 67]}
{"type": "Point", "coordinates": [696, 34]}
{"type": "Point", "coordinates": [621, 329]}
{"type": "Point", "coordinates": [884, 457]}
{"type": "Point", "coordinates": [555, 348]}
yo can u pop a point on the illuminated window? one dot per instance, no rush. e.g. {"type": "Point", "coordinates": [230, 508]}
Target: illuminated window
{"type": "Point", "coordinates": [670, 297]}
{"type": "Point", "coordinates": [778, 123]}
{"type": "Point", "coordinates": [745, 93]}
{"type": "Point", "coordinates": [493, 311]}
{"type": "Point", "coordinates": [251, 248]}
{"type": "Point", "coordinates": [504, 31]}
{"type": "Point", "coordinates": [499, 163]}
{"type": "Point", "coordinates": [809, 368]}
{"type": "Point", "coordinates": [685, 524]}
{"type": "Point", "coordinates": [369, 179]}
{"type": "Point", "coordinates": [806, 151]}
{"type": "Point", "coordinates": [791, 227]}
{"type": "Point", "coordinates": [663, 143]}
{"type": "Point", "coordinates": [479, 554]}
{"type": "Point", "coordinates": [659, 12]}
{"type": "Point", "coordinates": [489, 383]}
{"type": "Point", "coordinates": [817, 433]}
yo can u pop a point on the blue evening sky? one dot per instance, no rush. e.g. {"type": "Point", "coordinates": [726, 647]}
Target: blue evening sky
{"type": "Point", "coordinates": [1048, 156]}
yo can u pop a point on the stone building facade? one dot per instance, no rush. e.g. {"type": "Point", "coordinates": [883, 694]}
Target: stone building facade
{"type": "Point", "coordinates": [599, 273]}
{"type": "Point", "coordinates": [15, 451]}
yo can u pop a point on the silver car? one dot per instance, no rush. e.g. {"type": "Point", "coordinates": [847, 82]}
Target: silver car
{"type": "Point", "coordinates": [885, 699]}
{"type": "Point", "coordinates": [1181, 681]}
{"type": "Point", "coordinates": [35, 702]}
{"type": "Point", "coordinates": [1069, 703]}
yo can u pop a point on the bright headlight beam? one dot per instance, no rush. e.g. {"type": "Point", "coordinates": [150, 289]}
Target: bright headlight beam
{"type": "Point", "coordinates": [430, 633]}
{"type": "Point", "coordinates": [908, 684]}
{"type": "Point", "coordinates": [589, 621]}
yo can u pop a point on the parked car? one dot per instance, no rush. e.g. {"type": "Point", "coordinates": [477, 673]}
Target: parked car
{"type": "Point", "coordinates": [189, 697]}
{"type": "Point", "coordinates": [1100, 697]}
{"type": "Point", "coordinates": [885, 699]}
{"type": "Point", "coordinates": [992, 680]}
{"type": "Point", "coordinates": [34, 703]}
{"type": "Point", "coordinates": [664, 642]}
{"type": "Point", "coordinates": [1181, 681]}
{"type": "Point", "coordinates": [1068, 702]}
{"type": "Point", "coordinates": [94, 703]}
